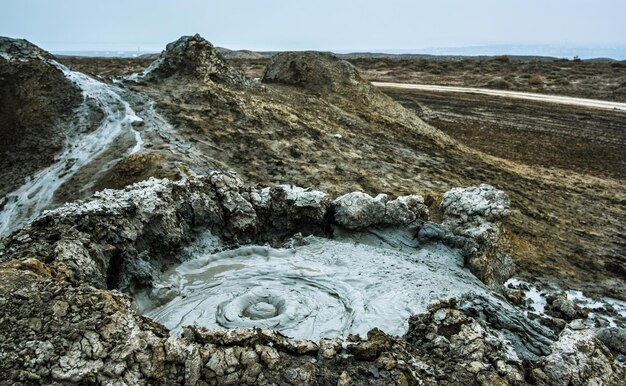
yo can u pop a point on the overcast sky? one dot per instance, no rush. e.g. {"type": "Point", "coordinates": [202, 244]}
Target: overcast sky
{"type": "Point", "coordinates": [318, 24]}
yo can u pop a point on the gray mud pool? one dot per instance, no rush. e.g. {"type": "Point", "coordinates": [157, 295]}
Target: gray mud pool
{"type": "Point", "coordinates": [324, 288]}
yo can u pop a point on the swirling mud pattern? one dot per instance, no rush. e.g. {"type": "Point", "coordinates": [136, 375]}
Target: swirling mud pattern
{"type": "Point", "coordinates": [323, 289]}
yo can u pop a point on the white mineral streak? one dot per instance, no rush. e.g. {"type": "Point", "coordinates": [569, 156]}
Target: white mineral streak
{"type": "Point", "coordinates": [82, 146]}
{"type": "Point", "coordinates": [536, 302]}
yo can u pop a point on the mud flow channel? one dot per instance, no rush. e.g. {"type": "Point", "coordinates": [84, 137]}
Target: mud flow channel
{"type": "Point", "coordinates": [324, 288]}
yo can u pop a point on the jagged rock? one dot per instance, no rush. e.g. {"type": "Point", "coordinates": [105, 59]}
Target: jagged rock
{"type": "Point", "coordinates": [93, 336]}
{"type": "Point", "coordinates": [578, 358]}
{"type": "Point", "coordinates": [250, 337]}
{"type": "Point", "coordinates": [194, 56]}
{"type": "Point", "coordinates": [56, 309]}
{"type": "Point", "coordinates": [35, 100]}
{"type": "Point", "coordinates": [476, 213]}
{"type": "Point", "coordinates": [377, 342]}
{"type": "Point", "coordinates": [406, 210]}
{"type": "Point", "coordinates": [315, 71]}
{"type": "Point", "coordinates": [559, 306]}
{"type": "Point", "coordinates": [530, 339]}
{"type": "Point", "coordinates": [448, 334]}
{"type": "Point", "coordinates": [123, 238]}
{"type": "Point", "coordinates": [360, 210]}
{"type": "Point", "coordinates": [291, 207]}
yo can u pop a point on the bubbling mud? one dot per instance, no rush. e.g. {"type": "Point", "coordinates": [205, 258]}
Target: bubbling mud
{"type": "Point", "coordinates": [325, 288]}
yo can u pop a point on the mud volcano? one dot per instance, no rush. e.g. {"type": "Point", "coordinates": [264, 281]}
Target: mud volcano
{"type": "Point", "coordinates": [371, 273]}
{"type": "Point", "coordinates": [209, 281]}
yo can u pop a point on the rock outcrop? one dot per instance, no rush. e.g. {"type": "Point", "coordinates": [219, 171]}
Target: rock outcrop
{"type": "Point", "coordinates": [70, 334]}
{"type": "Point", "coordinates": [476, 213]}
{"type": "Point", "coordinates": [123, 238]}
{"type": "Point", "coordinates": [196, 58]}
{"type": "Point", "coordinates": [614, 338]}
{"type": "Point", "coordinates": [35, 98]}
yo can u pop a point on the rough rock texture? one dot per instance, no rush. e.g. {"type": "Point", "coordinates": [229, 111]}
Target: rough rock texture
{"type": "Point", "coordinates": [62, 321]}
{"type": "Point", "coordinates": [578, 358]}
{"type": "Point", "coordinates": [315, 71]}
{"type": "Point", "coordinates": [433, 232]}
{"type": "Point", "coordinates": [194, 56]}
{"type": "Point", "coordinates": [476, 213]}
{"type": "Point", "coordinates": [70, 334]}
{"type": "Point", "coordinates": [35, 98]}
{"type": "Point", "coordinates": [285, 208]}
{"type": "Point", "coordinates": [468, 350]}
{"type": "Point", "coordinates": [614, 338]}
{"type": "Point", "coordinates": [360, 210]}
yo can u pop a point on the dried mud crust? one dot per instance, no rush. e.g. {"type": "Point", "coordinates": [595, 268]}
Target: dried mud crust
{"type": "Point", "coordinates": [566, 227]}
{"type": "Point", "coordinates": [80, 335]}
{"type": "Point", "coordinates": [59, 311]}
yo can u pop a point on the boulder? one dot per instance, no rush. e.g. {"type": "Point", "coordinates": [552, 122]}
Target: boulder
{"type": "Point", "coordinates": [614, 338]}
{"type": "Point", "coordinates": [578, 358]}
{"type": "Point", "coordinates": [477, 213]}
{"type": "Point", "coordinates": [359, 210]}
{"type": "Point", "coordinates": [559, 306]}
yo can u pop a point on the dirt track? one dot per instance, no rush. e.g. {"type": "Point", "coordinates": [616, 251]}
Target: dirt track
{"type": "Point", "coordinates": [592, 103]}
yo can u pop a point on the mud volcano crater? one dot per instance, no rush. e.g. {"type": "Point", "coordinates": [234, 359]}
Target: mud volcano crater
{"type": "Point", "coordinates": [249, 263]}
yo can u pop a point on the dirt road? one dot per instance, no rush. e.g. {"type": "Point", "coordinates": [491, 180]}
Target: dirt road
{"type": "Point", "coordinates": [592, 103]}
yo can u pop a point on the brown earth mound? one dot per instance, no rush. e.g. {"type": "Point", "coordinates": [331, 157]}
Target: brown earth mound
{"type": "Point", "coordinates": [315, 71]}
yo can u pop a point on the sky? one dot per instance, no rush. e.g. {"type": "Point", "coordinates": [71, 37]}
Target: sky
{"type": "Point", "coordinates": [333, 25]}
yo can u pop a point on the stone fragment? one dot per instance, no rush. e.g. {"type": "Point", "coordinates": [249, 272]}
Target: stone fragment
{"type": "Point", "coordinates": [559, 306]}
{"type": "Point", "coordinates": [578, 358]}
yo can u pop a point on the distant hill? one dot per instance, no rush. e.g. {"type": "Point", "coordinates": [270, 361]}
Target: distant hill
{"type": "Point", "coordinates": [251, 55]}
